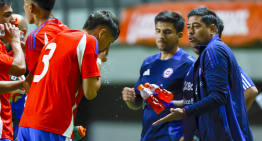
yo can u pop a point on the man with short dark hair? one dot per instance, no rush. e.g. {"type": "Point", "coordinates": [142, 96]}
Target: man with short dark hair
{"type": "Point", "coordinates": [39, 12]}
{"type": "Point", "coordinates": [64, 72]}
{"type": "Point", "coordinates": [189, 123]}
{"type": "Point", "coordinates": [218, 87]}
{"type": "Point", "coordinates": [9, 66]}
{"type": "Point", "coordinates": [166, 69]}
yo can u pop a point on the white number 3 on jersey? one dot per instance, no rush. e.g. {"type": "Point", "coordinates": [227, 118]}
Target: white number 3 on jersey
{"type": "Point", "coordinates": [46, 58]}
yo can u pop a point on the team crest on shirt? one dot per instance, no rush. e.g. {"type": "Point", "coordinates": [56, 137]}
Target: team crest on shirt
{"type": "Point", "coordinates": [168, 72]}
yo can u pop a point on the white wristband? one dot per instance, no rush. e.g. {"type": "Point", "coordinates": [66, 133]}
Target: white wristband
{"type": "Point", "coordinates": [98, 61]}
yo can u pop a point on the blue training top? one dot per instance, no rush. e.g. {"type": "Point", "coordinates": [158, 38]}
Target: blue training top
{"type": "Point", "coordinates": [189, 123]}
{"type": "Point", "coordinates": [219, 91]}
{"type": "Point", "coordinates": [169, 74]}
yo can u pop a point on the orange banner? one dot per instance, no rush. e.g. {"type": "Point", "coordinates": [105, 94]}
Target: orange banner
{"type": "Point", "coordinates": [242, 21]}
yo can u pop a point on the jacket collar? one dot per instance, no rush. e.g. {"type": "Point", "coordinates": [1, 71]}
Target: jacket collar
{"type": "Point", "coordinates": [202, 47]}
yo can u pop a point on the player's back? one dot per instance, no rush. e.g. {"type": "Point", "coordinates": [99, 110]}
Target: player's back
{"type": "Point", "coordinates": [57, 79]}
{"type": "Point", "coordinates": [39, 38]}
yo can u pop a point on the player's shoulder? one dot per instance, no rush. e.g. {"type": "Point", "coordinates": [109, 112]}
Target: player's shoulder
{"type": "Point", "coordinates": [52, 26]}
{"type": "Point", "coordinates": [151, 59]}
{"type": "Point", "coordinates": [91, 38]}
{"type": "Point", "coordinates": [71, 33]}
{"type": "Point", "coordinates": [240, 69]}
{"type": "Point", "coordinates": [186, 57]}
{"type": "Point", "coordinates": [217, 46]}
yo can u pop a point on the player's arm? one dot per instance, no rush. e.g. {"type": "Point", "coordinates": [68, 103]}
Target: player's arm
{"type": "Point", "coordinates": [28, 81]}
{"type": "Point", "coordinates": [132, 96]}
{"type": "Point", "coordinates": [90, 86]}
{"type": "Point", "coordinates": [12, 35]}
{"type": "Point", "coordinates": [8, 86]}
{"type": "Point", "coordinates": [250, 95]}
{"type": "Point", "coordinates": [217, 82]}
{"type": "Point", "coordinates": [91, 67]}
{"type": "Point", "coordinates": [132, 101]}
{"type": "Point", "coordinates": [174, 104]}
{"type": "Point", "coordinates": [250, 90]}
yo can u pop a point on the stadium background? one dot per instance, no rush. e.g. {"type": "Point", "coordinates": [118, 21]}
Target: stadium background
{"type": "Point", "coordinates": [107, 118]}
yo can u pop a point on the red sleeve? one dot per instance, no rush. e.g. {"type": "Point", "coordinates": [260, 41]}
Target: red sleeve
{"type": "Point", "coordinates": [89, 65]}
{"type": "Point", "coordinates": [33, 48]}
{"type": "Point", "coordinates": [5, 62]}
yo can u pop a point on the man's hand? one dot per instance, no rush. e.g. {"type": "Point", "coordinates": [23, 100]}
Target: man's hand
{"type": "Point", "coordinates": [16, 95]}
{"type": "Point", "coordinates": [175, 114]}
{"type": "Point", "coordinates": [128, 94]}
{"type": "Point", "coordinates": [12, 33]}
{"type": "Point", "coordinates": [105, 58]}
{"type": "Point", "coordinates": [24, 39]}
{"type": "Point", "coordinates": [102, 55]}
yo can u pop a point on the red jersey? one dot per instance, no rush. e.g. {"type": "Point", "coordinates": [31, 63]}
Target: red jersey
{"type": "Point", "coordinates": [57, 84]}
{"type": "Point", "coordinates": [6, 129]}
{"type": "Point", "coordinates": [39, 38]}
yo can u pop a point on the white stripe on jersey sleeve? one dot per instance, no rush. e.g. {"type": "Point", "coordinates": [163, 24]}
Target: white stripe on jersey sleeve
{"type": "Point", "coordinates": [243, 77]}
{"type": "Point", "coordinates": [81, 50]}
{"type": "Point", "coordinates": [46, 39]}
{"type": "Point", "coordinates": [244, 84]}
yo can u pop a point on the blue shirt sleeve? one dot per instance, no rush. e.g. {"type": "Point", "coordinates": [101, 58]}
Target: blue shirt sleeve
{"type": "Point", "coordinates": [247, 82]}
{"type": "Point", "coordinates": [139, 79]}
{"type": "Point", "coordinates": [215, 71]}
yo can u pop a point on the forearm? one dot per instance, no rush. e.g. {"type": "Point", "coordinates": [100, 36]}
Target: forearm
{"type": "Point", "coordinates": [18, 53]}
{"type": "Point", "coordinates": [8, 86]}
{"type": "Point", "coordinates": [18, 66]}
{"type": "Point", "coordinates": [27, 86]}
{"type": "Point", "coordinates": [136, 104]}
{"type": "Point", "coordinates": [28, 81]}
{"type": "Point", "coordinates": [250, 95]}
{"type": "Point", "coordinates": [91, 86]}
{"type": "Point", "coordinates": [213, 101]}
{"type": "Point", "coordinates": [178, 103]}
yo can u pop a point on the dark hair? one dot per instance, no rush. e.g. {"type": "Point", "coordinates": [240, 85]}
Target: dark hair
{"type": "Point", "coordinates": [208, 17]}
{"type": "Point", "coordinates": [171, 17]}
{"type": "Point", "coordinates": [5, 2]}
{"type": "Point", "coordinates": [47, 5]}
{"type": "Point", "coordinates": [220, 27]}
{"type": "Point", "coordinates": [104, 18]}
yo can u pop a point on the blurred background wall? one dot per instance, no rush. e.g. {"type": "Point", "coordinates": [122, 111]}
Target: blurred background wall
{"type": "Point", "coordinates": [107, 118]}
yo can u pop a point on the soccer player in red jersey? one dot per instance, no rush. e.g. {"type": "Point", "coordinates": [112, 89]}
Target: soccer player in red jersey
{"type": "Point", "coordinates": [17, 96]}
{"type": "Point", "coordinates": [67, 68]}
{"type": "Point", "coordinates": [39, 12]}
{"type": "Point", "coordinates": [9, 65]}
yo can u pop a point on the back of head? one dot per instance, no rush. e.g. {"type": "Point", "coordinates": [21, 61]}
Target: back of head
{"type": "Point", "coordinates": [5, 2]}
{"type": "Point", "coordinates": [103, 18]}
{"type": "Point", "coordinates": [171, 17]}
{"type": "Point", "coordinates": [209, 17]}
{"type": "Point", "coordinates": [21, 21]}
{"type": "Point", "coordinates": [47, 5]}
{"type": "Point", "coordinates": [220, 27]}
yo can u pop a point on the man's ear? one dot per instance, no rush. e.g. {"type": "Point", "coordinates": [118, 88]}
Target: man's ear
{"type": "Point", "coordinates": [212, 29]}
{"type": "Point", "coordinates": [102, 33]}
{"type": "Point", "coordinates": [32, 7]}
{"type": "Point", "coordinates": [180, 35]}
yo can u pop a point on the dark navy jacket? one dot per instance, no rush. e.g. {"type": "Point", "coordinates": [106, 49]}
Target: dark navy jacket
{"type": "Point", "coordinates": [169, 74]}
{"type": "Point", "coordinates": [189, 123]}
{"type": "Point", "coordinates": [219, 91]}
